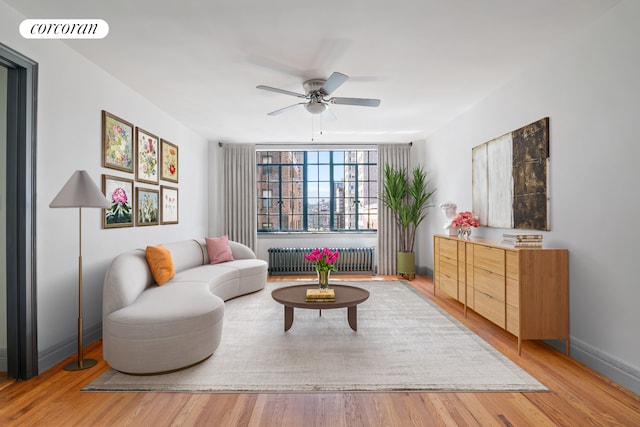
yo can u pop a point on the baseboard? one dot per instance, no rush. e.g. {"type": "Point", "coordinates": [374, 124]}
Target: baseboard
{"type": "Point", "coordinates": [425, 271]}
{"type": "Point", "coordinates": [615, 369]}
{"type": "Point", "coordinates": [4, 364]}
{"type": "Point", "coordinates": [55, 354]}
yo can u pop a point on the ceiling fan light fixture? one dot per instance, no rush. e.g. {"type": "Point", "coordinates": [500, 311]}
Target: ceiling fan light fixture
{"type": "Point", "coordinates": [316, 107]}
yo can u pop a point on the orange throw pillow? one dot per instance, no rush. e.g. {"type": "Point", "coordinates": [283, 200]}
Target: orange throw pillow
{"type": "Point", "coordinates": [160, 263]}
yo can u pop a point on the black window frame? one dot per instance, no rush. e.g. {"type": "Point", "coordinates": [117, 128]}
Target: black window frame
{"type": "Point", "coordinates": [269, 163]}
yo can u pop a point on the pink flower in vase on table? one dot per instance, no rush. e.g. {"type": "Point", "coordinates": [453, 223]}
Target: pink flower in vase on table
{"type": "Point", "coordinates": [324, 259]}
{"type": "Point", "coordinates": [324, 262]}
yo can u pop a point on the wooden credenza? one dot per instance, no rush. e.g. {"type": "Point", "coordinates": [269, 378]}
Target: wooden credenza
{"type": "Point", "coordinates": [522, 290]}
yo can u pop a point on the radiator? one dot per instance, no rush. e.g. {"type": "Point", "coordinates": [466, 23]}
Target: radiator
{"type": "Point", "coordinates": [291, 260]}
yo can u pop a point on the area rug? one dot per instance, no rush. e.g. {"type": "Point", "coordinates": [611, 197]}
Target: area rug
{"type": "Point", "coordinates": [404, 342]}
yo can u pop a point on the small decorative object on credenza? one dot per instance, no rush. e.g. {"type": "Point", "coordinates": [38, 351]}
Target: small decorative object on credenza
{"type": "Point", "coordinates": [464, 221]}
{"type": "Point", "coordinates": [321, 295]}
{"type": "Point", "coordinates": [522, 240]}
{"type": "Point", "coordinates": [449, 211]}
{"type": "Point", "coordinates": [324, 261]}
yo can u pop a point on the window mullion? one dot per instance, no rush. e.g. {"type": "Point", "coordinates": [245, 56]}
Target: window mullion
{"type": "Point", "coordinates": [305, 194]}
{"type": "Point", "coordinates": [332, 202]}
{"type": "Point", "coordinates": [357, 195]}
{"type": "Point", "coordinates": [280, 195]}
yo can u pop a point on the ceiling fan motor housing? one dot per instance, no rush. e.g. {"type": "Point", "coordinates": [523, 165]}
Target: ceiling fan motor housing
{"type": "Point", "coordinates": [313, 85]}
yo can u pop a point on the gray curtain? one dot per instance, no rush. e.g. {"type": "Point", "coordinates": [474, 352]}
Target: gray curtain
{"type": "Point", "coordinates": [396, 155]}
{"type": "Point", "coordinates": [240, 202]}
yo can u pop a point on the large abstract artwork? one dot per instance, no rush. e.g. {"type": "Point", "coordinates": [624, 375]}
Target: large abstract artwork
{"type": "Point", "coordinates": [510, 179]}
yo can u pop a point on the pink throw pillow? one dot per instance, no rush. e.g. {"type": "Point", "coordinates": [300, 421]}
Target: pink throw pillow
{"type": "Point", "coordinates": [218, 249]}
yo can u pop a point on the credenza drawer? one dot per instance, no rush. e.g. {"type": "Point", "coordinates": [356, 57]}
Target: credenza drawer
{"type": "Point", "coordinates": [449, 248]}
{"type": "Point", "coordinates": [449, 286]}
{"type": "Point", "coordinates": [490, 308]}
{"type": "Point", "coordinates": [512, 268]}
{"type": "Point", "coordinates": [489, 258]}
{"type": "Point", "coordinates": [448, 267]}
{"type": "Point", "coordinates": [489, 283]}
{"type": "Point", "coordinates": [513, 320]}
{"type": "Point", "coordinates": [513, 292]}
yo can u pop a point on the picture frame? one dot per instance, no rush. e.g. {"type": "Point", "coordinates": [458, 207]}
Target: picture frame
{"type": "Point", "coordinates": [119, 192]}
{"type": "Point", "coordinates": [117, 143]}
{"type": "Point", "coordinates": [169, 200]}
{"type": "Point", "coordinates": [147, 154]}
{"type": "Point", "coordinates": [169, 156]}
{"type": "Point", "coordinates": [147, 206]}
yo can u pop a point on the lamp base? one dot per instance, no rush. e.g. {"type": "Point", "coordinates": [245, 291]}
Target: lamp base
{"type": "Point", "coordinates": [77, 366]}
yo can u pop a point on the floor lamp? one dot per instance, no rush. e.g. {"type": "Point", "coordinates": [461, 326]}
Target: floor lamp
{"type": "Point", "coordinates": [80, 192]}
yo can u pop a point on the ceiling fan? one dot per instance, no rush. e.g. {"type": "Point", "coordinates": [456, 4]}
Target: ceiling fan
{"type": "Point", "coordinates": [316, 91]}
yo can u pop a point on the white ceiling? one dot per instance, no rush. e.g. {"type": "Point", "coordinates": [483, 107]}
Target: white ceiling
{"type": "Point", "coordinates": [427, 60]}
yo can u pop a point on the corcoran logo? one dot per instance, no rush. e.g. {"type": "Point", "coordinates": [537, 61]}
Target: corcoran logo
{"type": "Point", "coordinates": [64, 29]}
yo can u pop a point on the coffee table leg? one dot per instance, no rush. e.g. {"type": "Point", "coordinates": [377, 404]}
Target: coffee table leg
{"type": "Point", "coordinates": [352, 316]}
{"type": "Point", "coordinates": [288, 317]}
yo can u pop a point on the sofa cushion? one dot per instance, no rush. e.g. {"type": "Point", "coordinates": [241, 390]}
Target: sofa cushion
{"type": "Point", "coordinates": [247, 267]}
{"type": "Point", "coordinates": [160, 263]}
{"type": "Point", "coordinates": [187, 254]}
{"type": "Point", "coordinates": [207, 274]}
{"type": "Point", "coordinates": [166, 311]}
{"type": "Point", "coordinates": [126, 278]}
{"type": "Point", "coordinates": [218, 249]}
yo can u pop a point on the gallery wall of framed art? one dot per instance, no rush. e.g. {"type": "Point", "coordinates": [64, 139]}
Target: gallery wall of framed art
{"type": "Point", "coordinates": [140, 161]}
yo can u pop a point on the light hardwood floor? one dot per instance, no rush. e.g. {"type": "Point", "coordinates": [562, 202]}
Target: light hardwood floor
{"type": "Point", "coordinates": [578, 397]}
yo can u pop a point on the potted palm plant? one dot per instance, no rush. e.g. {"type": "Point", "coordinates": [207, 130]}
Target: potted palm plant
{"type": "Point", "coordinates": [409, 199]}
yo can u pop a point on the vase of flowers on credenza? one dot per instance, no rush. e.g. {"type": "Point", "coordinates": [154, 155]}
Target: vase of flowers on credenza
{"type": "Point", "coordinates": [464, 222]}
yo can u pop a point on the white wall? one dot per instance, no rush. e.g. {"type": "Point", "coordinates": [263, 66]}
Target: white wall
{"type": "Point", "coordinates": [71, 94]}
{"type": "Point", "coordinates": [589, 88]}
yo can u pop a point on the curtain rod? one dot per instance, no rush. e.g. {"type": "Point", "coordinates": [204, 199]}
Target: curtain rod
{"type": "Point", "coordinates": [293, 144]}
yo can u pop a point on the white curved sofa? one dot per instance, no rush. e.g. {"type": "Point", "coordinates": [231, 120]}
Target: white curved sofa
{"type": "Point", "coordinates": [149, 329]}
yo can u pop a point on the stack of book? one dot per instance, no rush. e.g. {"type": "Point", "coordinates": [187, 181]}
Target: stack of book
{"type": "Point", "coordinates": [522, 240]}
{"type": "Point", "coordinates": [321, 295]}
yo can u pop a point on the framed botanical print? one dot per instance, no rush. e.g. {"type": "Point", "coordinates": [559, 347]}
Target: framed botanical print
{"type": "Point", "coordinates": [169, 168]}
{"type": "Point", "coordinates": [169, 200]}
{"type": "Point", "coordinates": [148, 206]}
{"type": "Point", "coordinates": [119, 192]}
{"type": "Point", "coordinates": [117, 143]}
{"type": "Point", "coordinates": [146, 156]}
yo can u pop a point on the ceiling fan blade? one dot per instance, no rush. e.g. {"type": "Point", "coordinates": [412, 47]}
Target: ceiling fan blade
{"type": "Point", "coordinates": [329, 116]}
{"type": "Point", "coordinates": [363, 102]}
{"type": "Point", "coordinates": [333, 82]}
{"type": "Point", "coordinates": [282, 110]}
{"type": "Point", "coordinates": [275, 89]}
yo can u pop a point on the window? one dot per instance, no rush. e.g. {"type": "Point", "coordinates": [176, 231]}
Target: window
{"type": "Point", "coordinates": [317, 190]}
{"type": "Point", "coordinates": [266, 199]}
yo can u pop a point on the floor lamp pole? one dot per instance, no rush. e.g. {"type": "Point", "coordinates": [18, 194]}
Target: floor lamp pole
{"type": "Point", "coordinates": [81, 363]}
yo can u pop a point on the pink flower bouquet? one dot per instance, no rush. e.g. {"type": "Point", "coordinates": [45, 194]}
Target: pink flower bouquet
{"type": "Point", "coordinates": [324, 259]}
{"type": "Point", "coordinates": [465, 220]}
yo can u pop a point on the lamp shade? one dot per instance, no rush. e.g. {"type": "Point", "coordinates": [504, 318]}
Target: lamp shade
{"type": "Point", "coordinates": [80, 192]}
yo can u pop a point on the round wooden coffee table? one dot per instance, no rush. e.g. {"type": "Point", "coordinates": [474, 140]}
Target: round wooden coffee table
{"type": "Point", "coordinates": [295, 296]}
